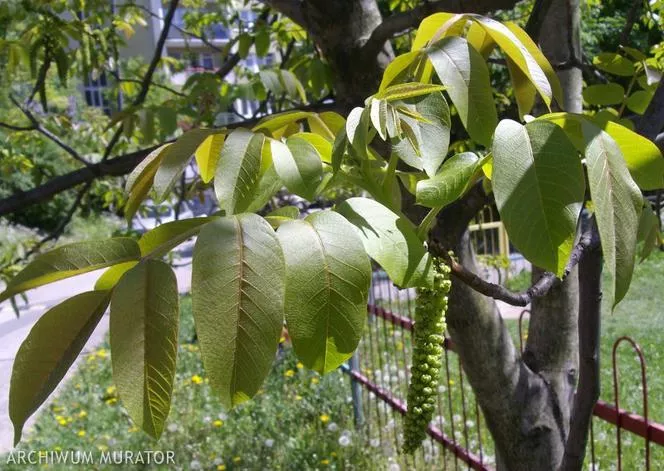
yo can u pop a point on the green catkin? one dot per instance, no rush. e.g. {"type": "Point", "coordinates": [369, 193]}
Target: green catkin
{"type": "Point", "coordinates": [428, 340]}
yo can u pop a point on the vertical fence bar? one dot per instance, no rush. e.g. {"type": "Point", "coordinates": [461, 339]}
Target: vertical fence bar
{"type": "Point", "coordinates": [616, 395]}
{"type": "Point", "coordinates": [449, 404]}
{"type": "Point", "coordinates": [356, 391]}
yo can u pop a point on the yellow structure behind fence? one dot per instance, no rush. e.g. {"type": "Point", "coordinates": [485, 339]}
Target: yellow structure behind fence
{"type": "Point", "coordinates": [488, 234]}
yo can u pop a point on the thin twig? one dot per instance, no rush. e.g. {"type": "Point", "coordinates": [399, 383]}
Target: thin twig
{"type": "Point", "coordinates": [147, 78]}
{"type": "Point", "coordinates": [537, 290]}
{"type": "Point", "coordinates": [153, 84]}
{"type": "Point", "coordinates": [37, 126]}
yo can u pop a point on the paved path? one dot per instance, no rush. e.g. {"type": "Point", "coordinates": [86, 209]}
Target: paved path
{"type": "Point", "coordinates": [13, 331]}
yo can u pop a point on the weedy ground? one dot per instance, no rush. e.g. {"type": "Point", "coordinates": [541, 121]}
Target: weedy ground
{"type": "Point", "coordinates": [299, 420]}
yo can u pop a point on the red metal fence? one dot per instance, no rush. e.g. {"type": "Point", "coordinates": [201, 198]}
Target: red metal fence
{"type": "Point", "coordinates": [457, 436]}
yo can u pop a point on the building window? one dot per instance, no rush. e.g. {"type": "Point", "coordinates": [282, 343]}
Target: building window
{"type": "Point", "coordinates": [207, 62]}
{"type": "Point", "coordinates": [93, 90]}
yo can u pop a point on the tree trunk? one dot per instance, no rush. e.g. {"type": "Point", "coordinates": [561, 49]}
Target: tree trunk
{"type": "Point", "coordinates": [341, 29]}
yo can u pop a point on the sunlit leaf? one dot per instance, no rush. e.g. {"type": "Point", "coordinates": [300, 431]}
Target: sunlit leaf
{"type": "Point", "coordinates": [390, 240]}
{"type": "Point", "coordinates": [144, 336]}
{"type": "Point", "coordinates": [238, 303]}
{"type": "Point", "coordinates": [327, 283]}
{"type": "Point", "coordinates": [539, 186]}
{"type": "Point", "coordinates": [71, 260]}
{"type": "Point", "coordinates": [51, 347]}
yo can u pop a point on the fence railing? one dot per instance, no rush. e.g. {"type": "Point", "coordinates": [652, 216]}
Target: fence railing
{"type": "Point", "coordinates": [458, 437]}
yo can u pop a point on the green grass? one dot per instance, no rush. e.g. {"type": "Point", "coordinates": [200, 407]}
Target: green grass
{"type": "Point", "coordinates": [299, 420]}
{"type": "Point", "coordinates": [519, 282]}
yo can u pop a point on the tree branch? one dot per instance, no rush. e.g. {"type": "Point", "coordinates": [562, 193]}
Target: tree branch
{"type": "Point", "coordinates": [538, 289]}
{"type": "Point", "coordinates": [399, 22]}
{"type": "Point", "coordinates": [537, 17]}
{"type": "Point", "coordinates": [291, 8]}
{"type": "Point", "coordinates": [590, 295]}
{"type": "Point", "coordinates": [118, 166]}
{"type": "Point", "coordinates": [153, 84]}
{"type": "Point", "coordinates": [37, 126]}
{"type": "Point", "coordinates": [652, 122]}
{"type": "Point", "coordinates": [201, 38]}
{"type": "Point", "coordinates": [147, 78]}
{"type": "Point", "coordinates": [629, 24]}
{"type": "Point", "coordinates": [13, 127]}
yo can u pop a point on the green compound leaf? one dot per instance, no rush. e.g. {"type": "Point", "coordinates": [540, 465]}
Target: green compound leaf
{"type": "Point", "coordinates": [390, 240]}
{"type": "Point", "coordinates": [614, 64]}
{"type": "Point", "coordinates": [618, 202]}
{"type": "Point", "coordinates": [604, 94]}
{"type": "Point", "coordinates": [175, 159]}
{"type": "Point", "coordinates": [644, 159]}
{"type": "Point", "coordinates": [140, 181]}
{"type": "Point", "coordinates": [144, 336]}
{"type": "Point", "coordinates": [238, 171]}
{"type": "Point", "coordinates": [431, 137]}
{"type": "Point", "coordinates": [238, 303]}
{"type": "Point", "coordinates": [539, 186]}
{"type": "Point", "coordinates": [71, 260]}
{"type": "Point", "coordinates": [298, 165]}
{"type": "Point", "coordinates": [327, 283]}
{"type": "Point", "coordinates": [404, 91]}
{"type": "Point", "coordinates": [207, 155]}
{"type": "Point", "coordinates": [465, 75]}
{"type": "Point", "coordinates": [450, 183]}
{"type": "Point", "coordinates": [160, 240]}
{"type": "Point", "coordinates": [49, 351]}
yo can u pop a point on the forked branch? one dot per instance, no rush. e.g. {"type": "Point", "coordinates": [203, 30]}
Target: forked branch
{"type": "Point", "coordinates": [538, 289]}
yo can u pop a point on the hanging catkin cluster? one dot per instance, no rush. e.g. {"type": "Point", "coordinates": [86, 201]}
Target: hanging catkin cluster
{"type": "Point", "coordinates": [427, 352]}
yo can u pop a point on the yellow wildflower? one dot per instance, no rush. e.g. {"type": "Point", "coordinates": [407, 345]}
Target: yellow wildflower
{"type": "Point", "coordinates": [111, 401]}
{"type": "Point", "coordinates": [325, 462]}
{"type": "Point", "coordinates": [451, 382]}
{"type": "Point", "coordinates": [289, 373]}
{"type": "Point", "coordinates": [237, 459]}
{"type": "Point", "coordinates": [110, 390]}
{"type": "Point", "coordinates": [314, 380]}
{"type": "Point", "coordinates": [101, 353]}
{"type": "Point", "coordinates": [298, 397]}
{"type": "Point", "coordinates": [81, 433]}
{"type": "Point", "coordinates": [299, 365]}
{"type": "Point", "coordinates": [324, 418]}
{"type": "Point", "coordinates": [218, 423]}
{"type": "Point", "coordinates": [282, 339]}
{"type": "Point", "coordinates": [221, 467]}
{"type": "Point", "coordinates": [196, 379]}
{"type": "Point", "coordinates": [61, 420]}
{"type": "Point", "coordinates": [82, 414]}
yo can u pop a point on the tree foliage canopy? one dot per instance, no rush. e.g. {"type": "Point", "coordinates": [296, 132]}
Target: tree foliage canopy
{"type": "Point", "coordinates": [431, 129]}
